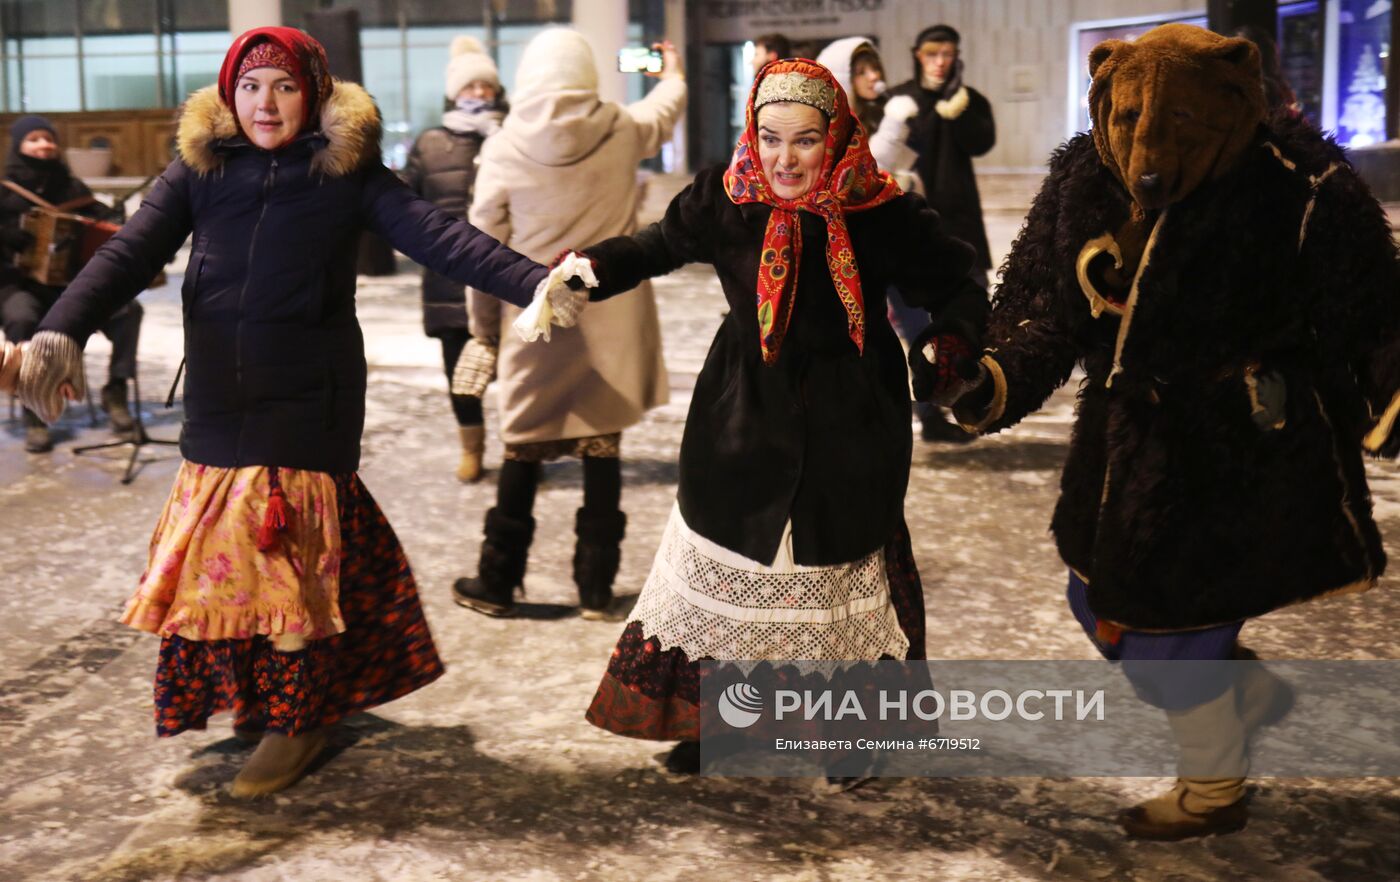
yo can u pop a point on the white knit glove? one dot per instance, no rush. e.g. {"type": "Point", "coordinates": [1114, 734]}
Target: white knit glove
{"type": "Point", "coordinates": [10, 357]}
{"type": "Point", "coordinates": [555, 302]}
{"type": "Point", "coordinates": [50, 374]}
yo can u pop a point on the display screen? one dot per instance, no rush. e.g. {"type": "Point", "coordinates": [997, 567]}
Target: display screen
{"type": "Point", "coordinates": [636, 59]}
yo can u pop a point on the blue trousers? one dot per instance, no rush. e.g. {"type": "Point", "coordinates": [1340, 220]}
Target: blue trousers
{"type": "Point", "coordinates": [1200, 669]}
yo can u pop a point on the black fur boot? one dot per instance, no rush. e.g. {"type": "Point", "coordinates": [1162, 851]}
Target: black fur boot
{"type": "Point", "coordinates": [596, 557]}
{"type": "Point", "coordinates": [502, 567]}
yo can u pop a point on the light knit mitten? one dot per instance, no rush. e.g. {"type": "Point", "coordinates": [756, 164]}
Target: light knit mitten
{"type": "Point", "coordinates": [555, 302]}
{"type": "Point", "coordinates": [476, 367]}
{"type": "Point", "coordinates": [51, 361]}
{"type": "Point", "coordinates": [10, 357]}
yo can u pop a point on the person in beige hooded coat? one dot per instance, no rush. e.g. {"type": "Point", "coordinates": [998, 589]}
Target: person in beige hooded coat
{"type": "Point", "coordinates": [563, 170]}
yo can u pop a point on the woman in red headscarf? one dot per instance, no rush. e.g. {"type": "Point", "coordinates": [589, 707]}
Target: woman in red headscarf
{"type": "Point", "coordinates": [278, 588]}
{"type": "Point", "coordinates": [796, 450]}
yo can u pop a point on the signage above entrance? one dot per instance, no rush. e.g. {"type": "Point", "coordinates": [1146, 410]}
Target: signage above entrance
{"type": "Point", "coordinates": [734, 21]}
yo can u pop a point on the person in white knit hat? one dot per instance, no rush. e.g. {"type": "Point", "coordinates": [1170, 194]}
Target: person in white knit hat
{"type": "Point", "coordinates": [442, 169]}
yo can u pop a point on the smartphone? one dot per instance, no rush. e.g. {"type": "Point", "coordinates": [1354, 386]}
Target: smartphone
{"type": "Point", "coordinates": [636, 59]}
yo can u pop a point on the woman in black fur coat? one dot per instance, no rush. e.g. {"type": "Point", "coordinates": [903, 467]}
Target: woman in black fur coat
{"type": "Point", "coordinates": [788, 537]}
{"type": "Point", "coordinates": [1222, 321]}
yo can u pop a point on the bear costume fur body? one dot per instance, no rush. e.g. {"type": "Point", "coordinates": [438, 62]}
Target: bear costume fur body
{"type": "Point", "coordinates": [1222, 312]}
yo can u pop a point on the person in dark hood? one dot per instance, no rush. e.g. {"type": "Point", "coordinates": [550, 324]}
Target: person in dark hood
{"type": "Point", "coordinates": [35, 164]}
{"type": "Point", "coordinates": [949, 124]}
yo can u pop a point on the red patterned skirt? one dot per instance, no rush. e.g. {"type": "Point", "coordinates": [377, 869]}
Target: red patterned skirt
{"type": "Point", "coordinates": [652, 693]}
{"type": "Point", "coordinates": [385, 652]}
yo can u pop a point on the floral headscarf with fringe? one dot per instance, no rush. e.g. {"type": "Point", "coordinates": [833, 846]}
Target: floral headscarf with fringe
{"type": "Point", "coordinates": [850, 180]}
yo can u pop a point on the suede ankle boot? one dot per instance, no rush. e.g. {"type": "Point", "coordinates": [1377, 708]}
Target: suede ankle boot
{"type": "Point", "coordinates": [502, 568]}
{"type": "Point", "coordinates": [277, 763]}
{"type": "Point", "coordinates": [473, 439]}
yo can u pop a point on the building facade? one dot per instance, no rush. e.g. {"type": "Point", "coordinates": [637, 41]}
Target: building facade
{"type": "Point", "coordinates": [1028, 58]}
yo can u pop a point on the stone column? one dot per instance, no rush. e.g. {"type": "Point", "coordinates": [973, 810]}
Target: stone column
{"type": "Point", "coordinates": [604, 24]}
{"type": "Point", "coordinates": [676, 33]}
{"type": "Point", "coordinates": [247, 14]}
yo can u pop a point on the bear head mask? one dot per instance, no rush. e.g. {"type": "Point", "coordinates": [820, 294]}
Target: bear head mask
{"type": "Point", "coordinates": [1173, 110]}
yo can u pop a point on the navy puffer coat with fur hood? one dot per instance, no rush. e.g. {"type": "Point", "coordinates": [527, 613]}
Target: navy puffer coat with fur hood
{"type": "Point", "coordinates": [275, 358]}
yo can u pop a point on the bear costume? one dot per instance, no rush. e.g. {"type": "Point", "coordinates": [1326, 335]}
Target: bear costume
{"type": "Point", "coordinates": [1223, 279]}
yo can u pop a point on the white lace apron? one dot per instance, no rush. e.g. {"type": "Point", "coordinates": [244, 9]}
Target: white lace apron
{"type": "Point", "coordinates": [711, 602]}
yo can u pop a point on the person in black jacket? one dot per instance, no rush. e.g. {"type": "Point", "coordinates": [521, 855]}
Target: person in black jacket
{"type": "Point", "coordinates": [795, 458]}
{"type": "Point", "coordinates": [278, 588]}
{"type": "Point", "coordinates": [34, 163]}
{"type": "Point", "coordinates": [949, 124]}
{"type": "Point", "coordinates": [442, 168]}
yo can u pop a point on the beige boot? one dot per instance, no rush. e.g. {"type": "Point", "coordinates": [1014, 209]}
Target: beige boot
{"type": "Point", "coordinates": [1208, 798]}
{"type": "Point", "coordinates": [473, 445]}
{"type": "Point", "coordinates": [277, 763]}
{"type": "Point", "coordinates": [1171, 816]}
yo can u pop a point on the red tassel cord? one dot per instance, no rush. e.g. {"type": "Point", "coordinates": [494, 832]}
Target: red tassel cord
{"type": "Point", "coordinates": [275, 521]}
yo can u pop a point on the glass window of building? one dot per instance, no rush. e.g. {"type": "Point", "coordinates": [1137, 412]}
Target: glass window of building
{"type": "Point", "coordinates": [1363, 59]}
{"type": "Point", "coordinates": [1298, 38]}
{"type": "Point", "coordinates": [74, 55]}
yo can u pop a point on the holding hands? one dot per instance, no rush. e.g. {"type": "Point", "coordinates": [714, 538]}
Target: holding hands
{"type": "Point", "coordinates": [945, 368]}
{"type": "Point", "coordinates": [559, 298]}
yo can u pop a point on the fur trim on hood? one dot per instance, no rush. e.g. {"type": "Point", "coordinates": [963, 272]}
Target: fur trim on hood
{"type": "Point", "coordinates": [350, 124]}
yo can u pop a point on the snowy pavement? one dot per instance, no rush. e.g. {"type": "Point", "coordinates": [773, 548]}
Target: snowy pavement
{"type": "Point", "coordinates": [491, 772]}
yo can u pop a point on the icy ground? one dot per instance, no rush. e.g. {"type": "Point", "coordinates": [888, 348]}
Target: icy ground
{"type": "Point", "coordinates": [491, 773]}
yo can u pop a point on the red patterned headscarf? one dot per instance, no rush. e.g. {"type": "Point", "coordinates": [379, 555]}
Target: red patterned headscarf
{"type": "Point", "coordinates": [289, 49]}
{"type": "Point", "coordinates": [850, 181]}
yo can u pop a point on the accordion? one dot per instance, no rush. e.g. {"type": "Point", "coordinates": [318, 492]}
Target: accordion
{"type": "Point", "coordinates": [63, 244]}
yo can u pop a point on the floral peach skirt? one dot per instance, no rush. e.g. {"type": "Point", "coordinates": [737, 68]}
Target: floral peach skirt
{"type": "Point", "coordinates": [206, 578]}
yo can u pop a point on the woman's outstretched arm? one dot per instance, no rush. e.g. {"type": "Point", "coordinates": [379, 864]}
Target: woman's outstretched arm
{"type": "Point", "coordinates": [445, 244]}
{"type": "Point", "coordinates": [684, 235]}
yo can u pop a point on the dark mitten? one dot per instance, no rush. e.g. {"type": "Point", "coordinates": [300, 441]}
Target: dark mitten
{"type": "Point", "coordinates": [944, 367]}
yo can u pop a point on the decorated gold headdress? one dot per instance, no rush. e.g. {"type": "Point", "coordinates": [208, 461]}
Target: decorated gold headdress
{"type": "Point", "coordinates": [798, 88]}
{"type": "Point", "coordinates": [850, 181]}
